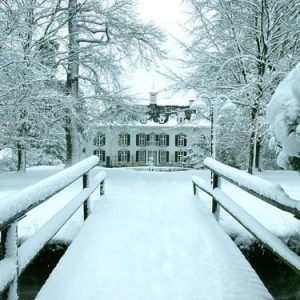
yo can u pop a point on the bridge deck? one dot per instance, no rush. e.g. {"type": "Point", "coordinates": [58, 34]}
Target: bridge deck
{"type": "Point", "coordinates": [149, 238]}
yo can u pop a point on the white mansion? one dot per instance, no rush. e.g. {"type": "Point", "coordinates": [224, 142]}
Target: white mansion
{"type": "Point", "coordinates": [162, 137]}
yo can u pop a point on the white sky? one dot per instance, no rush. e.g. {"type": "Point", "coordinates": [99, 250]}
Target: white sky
{"type": "Point", "coordinates": [168, 14]}
{"type": "Point", "coordinates": [165, 13]}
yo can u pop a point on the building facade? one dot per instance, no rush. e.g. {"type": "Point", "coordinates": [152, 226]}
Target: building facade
{"type": "Point", "coordinates": [162, 138]}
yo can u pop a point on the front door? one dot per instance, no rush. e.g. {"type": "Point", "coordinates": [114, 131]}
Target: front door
{"type": "Point", "coordinates": [153, 156]}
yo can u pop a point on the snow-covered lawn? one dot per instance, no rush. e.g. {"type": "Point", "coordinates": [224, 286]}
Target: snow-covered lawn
{"type": "Point", "coordinates": [280, 223]}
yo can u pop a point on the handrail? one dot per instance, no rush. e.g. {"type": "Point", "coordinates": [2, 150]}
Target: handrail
{"type": "Point", "coordinates": [15, 259]}
{"type": "Point", "coordinates": [248, 183]}
{"type": "Point", "coordinates": [265, 190]}
{"type": "Point", "coordinates": [23, 201]}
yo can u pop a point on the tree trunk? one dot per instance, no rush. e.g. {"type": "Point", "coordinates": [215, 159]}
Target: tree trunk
{"type": "Point", "coordinates": [257, 154]}
{"type": "Point", "coordinates": [253, 120]}
{"type": "Point", "coordinates": [72, 143]}
{"type": "Point", "coordinates": [19, 157]}
{"type": "Point", "coordinates": [23, 167]}
{"type": "Point", "coordinates": [68, 142]}
{"type": "Point", "coordinates": [72, 84]}
{"type": "Point", "coordinates": [251, 152]}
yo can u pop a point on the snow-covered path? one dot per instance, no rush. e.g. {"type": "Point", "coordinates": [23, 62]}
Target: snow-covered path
{"type": "Point", "coordinates": [149, 238]}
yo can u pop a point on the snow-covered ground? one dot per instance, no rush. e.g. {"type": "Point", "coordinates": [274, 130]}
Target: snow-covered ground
{"type": "Point", "coordinates": [280, 223]}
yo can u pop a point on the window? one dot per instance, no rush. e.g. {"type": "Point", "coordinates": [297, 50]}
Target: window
{"type": "Point", "coordinates": [164, 156]}
{"type": "Point", "coordinates": [180, 117]}
{"type": "Point", "coordinates": [180, 140]}
{"type": "Point", "coordinates": [124, 139]}
{"type": "Point", "coordinates": [164, 140]}
{"type": "Point", "coordinates": [99, 140]}
{"type": "Point", "coordinates": [143, 119]}
{"type": "Point", "coordinates": [141, 140]}
{"type": "Point", "coordinates": [123, 156]}
{"type": "Point", "coordinates": [180, 156]}
{"type": "Point", "coordinates": [152, 139]}
{"type": "Point", "coordinates": [141, 156]}
{"type": "Point", "coordinates": [162, 119]}
{"type": "Point", "coordinates": [100, 153]}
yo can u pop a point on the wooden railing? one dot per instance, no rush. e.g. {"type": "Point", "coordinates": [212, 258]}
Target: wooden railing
{"type": "Point", "coordinates": [262, 189]}
{"type": "Point", "coordinates": [15, 258]}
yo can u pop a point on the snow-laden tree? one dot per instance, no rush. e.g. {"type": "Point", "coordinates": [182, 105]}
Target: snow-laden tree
{"type": "Point", "coordinates": [231, 138]}
{"type": "Point", "coordinates": [198, 151]}
{"type": "Point", "coordinates": [103, 38]}
{"type": "Point", "coordinates": [29, 98]}
{"type": "Point", "coordinates": [84, 43]}
{"type": "Point", "coordinates": [283, 113]}
{"type": "Point", "coordinates": [241, 49]}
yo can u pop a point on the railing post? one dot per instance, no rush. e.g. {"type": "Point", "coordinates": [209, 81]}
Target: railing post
{"type": "Point", "coordinates": [215, 181]}
{"type": "Point", "coordinates": [86, 203]}
{"type": "Point", "coordinates": [102, 189]}
{"type": "Point", "coordinates": [9, 249]}
{"type": "Point", "coordinates": [194, 189]}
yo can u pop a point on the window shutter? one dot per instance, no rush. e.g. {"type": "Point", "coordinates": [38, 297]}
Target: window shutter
{"type": "Point", "coordinates": [157, 137]}
{"type": "Point", "coordinates": [103, 157]}
{"type": "Point", "coordinates": [119, 140]}
{"type": "Point", "coordinates": [148, 137]}
{"type": "Point", "coordinates": [137, 139]}
{"type": "Point", "coordinates": [119, 155]}
{"type": "Point", "coordinates": [128, 139]}
{"type": "Point", "coordinates": [176, 140]}
{"type": "Point", "coordinates": [185, 141]}
{"type": "Point", "coordinates": [167, 156]}
{"type": "Point", "coordinates": [128, 156]}
{"type": "Point", "coordinates": [103, 139]}
{"type": "Point", "coordinates": [176, 156]}
{"type": "Point", "coordinates": [137, 156]}
{"type": "Point", "coordinates": [168, 140]}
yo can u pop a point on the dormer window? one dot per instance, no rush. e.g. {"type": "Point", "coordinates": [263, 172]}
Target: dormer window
{"type": "Point", "coordinates": [162, 119]}
{"type": "Point", "coordinates": [143, 119]}
{"type": "Point", "coordinates": [180, 117]}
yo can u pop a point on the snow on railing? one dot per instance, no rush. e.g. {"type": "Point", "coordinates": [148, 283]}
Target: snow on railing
{"type": "Point", "coordinates": [267, 191]}
{"type": "Point", "coordinates": [263, 190]}
{"type": "Point", "coordinates": [14, 258]}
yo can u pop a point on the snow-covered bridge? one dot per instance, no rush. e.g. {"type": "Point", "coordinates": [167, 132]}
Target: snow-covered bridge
{"type": "Point", "coordinates": [147, 238]}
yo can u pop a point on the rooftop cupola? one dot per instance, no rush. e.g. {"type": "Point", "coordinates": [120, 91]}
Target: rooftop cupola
{"type": "Point", "coordinates": [153, 97]}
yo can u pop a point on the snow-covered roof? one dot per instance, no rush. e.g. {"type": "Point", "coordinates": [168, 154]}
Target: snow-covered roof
{"type": "Point", "coordinates": [171, 123]}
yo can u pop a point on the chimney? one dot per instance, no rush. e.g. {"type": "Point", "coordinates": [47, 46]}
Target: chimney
{"type": "Point", "coordinates": [153, 98]}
